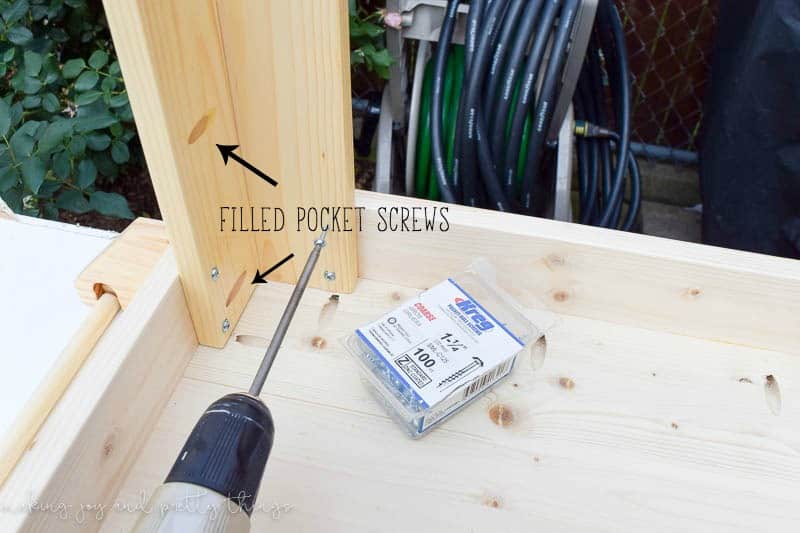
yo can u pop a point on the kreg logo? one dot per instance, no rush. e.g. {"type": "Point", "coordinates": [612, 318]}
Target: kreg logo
{"type": "Point", "coordinates": [469, 308]}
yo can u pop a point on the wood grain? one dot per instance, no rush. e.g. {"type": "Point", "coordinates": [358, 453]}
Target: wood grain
{"type": "Point", "coordinates": [635, 280]}
{"type": "Point", "coordinates": [201, 73]}
{"type": "Point", "coordinates": [288, 68]}
{"type": "Point", "coordinates": [126, 264]}
{"type": "Point", "coordinates": [656, 432]}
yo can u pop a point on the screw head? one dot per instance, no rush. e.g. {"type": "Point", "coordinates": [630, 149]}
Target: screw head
{"type": "Point", "coordinates": [330, 276]}
{"type": "Point", "coordinates": [214, 274]}
{"type": "Point", "coordinates": [226, 325]}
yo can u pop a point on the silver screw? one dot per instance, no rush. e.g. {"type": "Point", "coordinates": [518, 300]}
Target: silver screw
{"type": "Point", "coordinates": [214, 274]}
{"type": "Point", "coordinates": [330, 276]}
{"type": "Point", "coordinates": [226, 325]}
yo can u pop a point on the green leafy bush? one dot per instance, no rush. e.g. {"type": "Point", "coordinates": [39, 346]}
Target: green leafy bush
{"type": "Point", "coordinates": [65, 122]}
{"type": "Point", "coordinates": [367, 42]}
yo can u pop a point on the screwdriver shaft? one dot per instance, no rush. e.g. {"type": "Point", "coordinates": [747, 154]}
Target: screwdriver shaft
{"type": "Point", "coordinates": [286, 318]}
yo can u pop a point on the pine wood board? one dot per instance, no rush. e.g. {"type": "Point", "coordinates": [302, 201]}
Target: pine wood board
{"type": "Point", "coordinates": [658, 432]}
{"type": "Point", "coordinates": [125, 265]}
{"type": "Point", "coordinates": [201, 73]}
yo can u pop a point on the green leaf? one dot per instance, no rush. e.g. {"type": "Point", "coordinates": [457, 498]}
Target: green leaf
{"type": "Point", "coordinates": [32, 86]}
{"type": "Point", "coordinates": [95, 122]}
{"type": "Point", "coordinates": [110, 204]}
{"type": "Point", "coordinates": [50, 103]}
{"type": "Point", "coordinates": [16, 114]}
{"type": "Point", "coordinates": [98, 141]}
{"type": "Point", "coordinates": [33, 63]}
{"type": "Point", "coordinates": [98, 59]}
{"type": "Point", "coordinates": [116, 129]}
{"type": "Point", "coordinates": [19, 35]}
{"type": "Point", "coordinates": [21, 144]}
{"type": "Point", "coordinates": [30, 127]}
{"type": "Point", "coordinates": [61, 165]}
{"type": "Point", "coordinates": [9, 177]}
{"type": "Point", "coordinates": [8, 55]}
{"type": "Point", "coordinates": [33, 171]}
{"type": "Point", "coordinates": [381, 58]}
{"type": "Point", "coordinates": [119, 152]}
{"type": "Point", "coordinates": [54, 135]}
{"type": "Point", "coordinates": [114, 69]}
{"type": "Point", "coordinates": [87, 173]}
{"type": "Point", "coordinates": [15, 11]}
{"type": "Point", "coordinates": [72, 68]}
{"type": "Point", "coordinates": [86, 81]}
{"type": "Point", "coordinates": [50, 211]}
{"type": "Point", "coordinates": [77, 145]}
{"type": "Point", "coordinates": [58, 35]}
{"type": "Point", "coordinates": [365, 29]}
{"type": "Point", "coordinates": [125, 113]}
{"type": "Point", "coordinates": [48, 188]}
{"type": "Point", "coordinates": [88, 97]}
{"type": "Point", "coordinates": [119, 100]}
{"type": "Point", "coordinates": [5, 117]}
{"type": "Point", "coordinates": [38, 12]}
{"type": "Point", "coordinates": [108, 85]}
{"type": "Point", "coordinates": [106, 166]}
{"type": "Point", "coordinates": [13, 197]}
{"type": "Point", "coordinates": [356, 57]}
{"type": "Point", "coordinates": [73, 201]}
{"type": "Point", "coordinates": [30, 102]}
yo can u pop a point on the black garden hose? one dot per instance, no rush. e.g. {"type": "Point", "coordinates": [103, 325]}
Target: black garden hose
{"type": "Point", "coordinates": [498, 119]}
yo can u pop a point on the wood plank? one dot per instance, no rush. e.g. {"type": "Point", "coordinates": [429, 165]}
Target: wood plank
{"type": "Point", "coordinates": [189, 93]}
{"type": "Point", "coordinates": [657, 432]}
{"type": "Point", "coordinates": [636, 280]}
{"type": "Point", "coordinates": [91, 438]}
{"type": "Point", "coordinates": [288, 66]}
{"type": "Point", "coordinates": [126, 264]}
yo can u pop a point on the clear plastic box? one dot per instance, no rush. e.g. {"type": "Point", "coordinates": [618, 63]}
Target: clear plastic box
{"type": "Point", "coordinates": [395, 365]}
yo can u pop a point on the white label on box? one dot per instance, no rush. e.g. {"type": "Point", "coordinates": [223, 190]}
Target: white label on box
{"type": "Point", "coordinates": [441, 341]}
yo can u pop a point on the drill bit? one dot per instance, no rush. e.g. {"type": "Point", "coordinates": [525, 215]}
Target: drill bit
{"type": "Point", "coordinates": [286, 318]}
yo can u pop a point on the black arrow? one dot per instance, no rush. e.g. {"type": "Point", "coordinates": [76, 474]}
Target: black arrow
{"type": "Point", "coordinates": [259, 278]}
{"type": "Point", "coordinates": [227, 152]}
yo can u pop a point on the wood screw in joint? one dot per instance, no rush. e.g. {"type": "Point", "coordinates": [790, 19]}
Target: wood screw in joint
{"type": "Point", "coordinates": [330, 276]}
{"type": "Point", "coordinates": [226, 325]}
{"type": "Point", "coordinates": [214, 274]}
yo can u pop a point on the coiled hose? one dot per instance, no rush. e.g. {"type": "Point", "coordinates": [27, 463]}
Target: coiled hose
{"type": "Point", "coordinates": [486, 109]}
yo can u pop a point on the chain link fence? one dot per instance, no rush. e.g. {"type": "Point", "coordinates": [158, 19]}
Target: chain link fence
{"type": "Point", "coordinates": [669, 48]}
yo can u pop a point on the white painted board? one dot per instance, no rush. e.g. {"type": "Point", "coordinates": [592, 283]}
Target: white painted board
{"type": "Point", "coordinates": [39, 306]}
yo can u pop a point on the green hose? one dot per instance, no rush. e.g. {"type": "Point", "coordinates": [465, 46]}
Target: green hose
{"type": "Point", "coordinates": [425, 184]}
{"type": "Point", "coordinates": [424, 135]}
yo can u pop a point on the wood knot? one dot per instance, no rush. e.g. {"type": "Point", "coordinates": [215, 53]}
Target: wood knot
{"type": "Point", "coordinates": [493, 502]}
{"type": "Point", "coordinates": [554, 261]}
{"type": "Point", "coordinates": [772, 393]}
{"type": "Point", "coordinates": [566, 383]}
{"type": "Point", "coordinates": [560, 295]}
{"type": "Point", "coordinates": [108, 445]}
{"type": "Point", "coordinates": [396, 296]}
{"type": "Point", "coordinates": [201, 126]}
{"type": "Point", "coordinates": [318, 342]}
{"type": "Point", "coordinates": [693, 292]}
{"type": "Point", "coordinates": [501, 415]}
